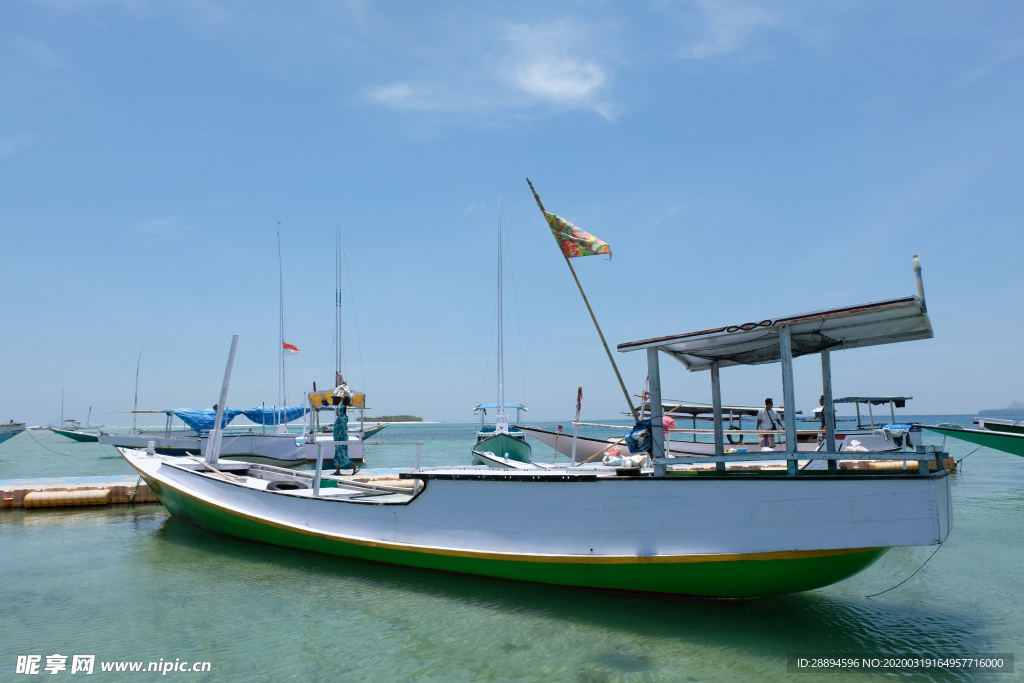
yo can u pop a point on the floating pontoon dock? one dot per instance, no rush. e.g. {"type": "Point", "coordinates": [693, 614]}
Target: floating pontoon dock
{"type": "Point", "coordinates": [74, 491]}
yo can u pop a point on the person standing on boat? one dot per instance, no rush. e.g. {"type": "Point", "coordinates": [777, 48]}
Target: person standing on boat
{"type": "Point", "coordinates": [767, 419]}
{"type": "Point", "coordinates": [341, 459]}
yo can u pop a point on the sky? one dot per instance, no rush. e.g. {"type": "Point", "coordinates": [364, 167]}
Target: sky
{"type": "Point", "coordinates": [744, 160]}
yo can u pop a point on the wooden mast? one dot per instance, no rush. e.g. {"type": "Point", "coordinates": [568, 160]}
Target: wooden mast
{"type": "Point", "coordinates": [611, 360]}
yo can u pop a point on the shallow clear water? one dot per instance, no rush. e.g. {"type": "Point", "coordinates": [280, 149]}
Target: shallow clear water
{"type": "Point", "coordinates": [132, 583]}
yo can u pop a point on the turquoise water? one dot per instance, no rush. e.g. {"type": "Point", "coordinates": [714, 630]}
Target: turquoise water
{"type": "Point", "coordinates": [132, 583]}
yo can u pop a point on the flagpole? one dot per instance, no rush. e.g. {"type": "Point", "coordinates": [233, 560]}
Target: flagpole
{"type": "Point", "coordinates": [572, 270]}
{"type": "Point", "coordinates": [615, 367]}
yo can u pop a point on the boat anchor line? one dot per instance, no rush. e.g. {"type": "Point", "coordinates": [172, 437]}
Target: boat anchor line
{"type": "Point", "coordinates": [912, 575]}
{"type": "Point", "coordinates": [965, 457]}
{"type": "Point", "coordinates": [43, 445]}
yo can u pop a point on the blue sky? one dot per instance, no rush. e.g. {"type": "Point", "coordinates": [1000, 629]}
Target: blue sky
{"type": "Point", "coordinates": [745, 160]}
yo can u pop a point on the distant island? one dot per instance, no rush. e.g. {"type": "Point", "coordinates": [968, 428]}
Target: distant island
{"type": "Point", "coordinates": [395, 418]}
{"type": "Point", "coordinates": [1015, 408]}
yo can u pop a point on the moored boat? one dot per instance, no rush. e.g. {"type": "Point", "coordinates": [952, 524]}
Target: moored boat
{"type": "Point", "coordinates": [668, 529]}
{"type": "Point", "coordinates": [78, 435]}
{"type": "Point", "coordinates": [719, 536]}
{"type": "Point", "coordinates": [275, 447]}
{"type": "Point", "coordinates": [10, 429]}
{"type": "Point", "coordinates": [1008, 442]}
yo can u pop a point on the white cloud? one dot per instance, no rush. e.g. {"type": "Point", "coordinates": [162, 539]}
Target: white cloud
{"type": "Point", "coordinates": [563, 80]}
{"type": "Point", "coordinates": [14, 144]}
{"type": "Point", "coordinates": [513, 68]}
{"type": "Point", "coordinates": [395, 95]}
{"type": "Point", "coordinates": [727, 26]}
{"type": "Point", "coordinates": [550, 64]}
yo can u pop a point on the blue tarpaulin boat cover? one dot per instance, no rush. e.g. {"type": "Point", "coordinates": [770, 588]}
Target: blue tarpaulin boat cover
{"type": "Point", "coordinates": [201, 420]}
{"type": "Point", "coordinates": [272, 415]}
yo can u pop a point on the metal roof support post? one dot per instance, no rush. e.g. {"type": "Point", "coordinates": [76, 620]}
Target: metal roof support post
{"type": "Point", "coordinates": [788, 399]}
{"type": "Point", "coordinates": [871, 415]}
{"type": "Point", "coordinates": [657, 426]}
{"type": "Point", "coordinates": [828, 412]}
{"type": "Point", "coordinates": [716, 411]}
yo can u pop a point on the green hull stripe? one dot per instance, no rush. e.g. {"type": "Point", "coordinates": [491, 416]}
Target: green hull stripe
{"type": "Point", "coordinates": [727, 578]}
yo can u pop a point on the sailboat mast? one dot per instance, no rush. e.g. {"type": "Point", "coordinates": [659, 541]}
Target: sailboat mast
{"type": "Point", "coordinates": [501, 329]}
{"type": "Point", "coordinates": [281, 388]}
{"type": "Point", "coordinates": [134, 413]}
{"type": "Point", "coordinates": [337, 305]}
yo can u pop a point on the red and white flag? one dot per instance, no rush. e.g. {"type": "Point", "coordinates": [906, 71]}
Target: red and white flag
{"type": "Point", "coordinates": [290, 349]}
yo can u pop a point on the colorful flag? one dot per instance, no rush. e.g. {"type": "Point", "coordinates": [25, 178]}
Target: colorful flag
{"type": "Point", "coordinates": [290, 349]}
{"type": "Point", "coordinates": [571, 240]}
{"type": "Point", "coordinates": [575, 242]}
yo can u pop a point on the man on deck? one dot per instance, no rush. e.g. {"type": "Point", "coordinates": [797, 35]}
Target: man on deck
{"type": "Point", "coordinates": [767, 419]}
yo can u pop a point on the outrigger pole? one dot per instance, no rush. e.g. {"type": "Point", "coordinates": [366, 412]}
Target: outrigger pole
{"type": "Point", "coordinates": [611, 360]}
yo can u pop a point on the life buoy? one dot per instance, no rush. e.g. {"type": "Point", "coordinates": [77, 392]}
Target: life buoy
{"type": "Point", "coordinates": [729, 436]}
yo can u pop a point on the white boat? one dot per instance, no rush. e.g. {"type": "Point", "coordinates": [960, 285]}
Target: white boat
{"type": "Point", "coordinates": [664, 529]}
{"type": "Point", "coordinates": [10, 429]}
{"type": "Point", "coordinates": [271, 447]}
{"type": "Point", "coordinates": [696, 536]}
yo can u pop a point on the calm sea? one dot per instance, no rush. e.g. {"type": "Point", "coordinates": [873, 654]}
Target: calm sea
{"type": "Point", "coordinates": [134, 584]}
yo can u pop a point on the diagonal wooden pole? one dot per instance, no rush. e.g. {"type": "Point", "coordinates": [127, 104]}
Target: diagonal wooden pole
{"type": "Point", "coordinates": [611, 359]}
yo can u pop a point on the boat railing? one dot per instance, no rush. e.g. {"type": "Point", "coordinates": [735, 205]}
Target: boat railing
{"type": "Point", "coordinates": [320, 455]}
{"type": "Point", "coordinates": [833, 458]}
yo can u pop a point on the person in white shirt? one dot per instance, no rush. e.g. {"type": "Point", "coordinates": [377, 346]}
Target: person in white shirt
{"type": "Point", "coordinates": [767, 419]}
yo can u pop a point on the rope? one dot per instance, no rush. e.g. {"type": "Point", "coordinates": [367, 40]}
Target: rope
{"type": "Point", "coordinates": [911, 576]}
{"type": "Point", "coordinates": [42, 446]}
{"type": "Point", "coordinates": [515, 292]}
{"type": "Point", "coordinates": [355, 315]}
{"type": "Point", "coordinates": [971, 453]}
{"type": "Point", "coordinates": [965, 457]}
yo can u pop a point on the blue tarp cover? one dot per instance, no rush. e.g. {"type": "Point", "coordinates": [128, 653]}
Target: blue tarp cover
{"type": "Point", "coordinates": [201, 420]}
{"type": "Point", "coordinates": [272, 415]}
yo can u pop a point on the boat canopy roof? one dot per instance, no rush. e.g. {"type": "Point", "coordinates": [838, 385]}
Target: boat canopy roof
{"type": "Point", "coordinates": [881, 322]}
{"type": "Point", "coordinates": [900, 401]}
{"type": "Point", "coordinates": [517, 406]}
{"type": "Point", "coordinates": [203, 419]}
{"type": "Point", "coordinates": [670, 407]}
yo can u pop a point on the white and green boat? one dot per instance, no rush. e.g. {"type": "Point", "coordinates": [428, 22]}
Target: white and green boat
{"type": "Point", "coordinates": [672, 528]}
{"type": "Point", "coordinates": [502, 440]}
{"type": "Point", "coordinates": [723, 536]}
{"type": "Point", "coordinates": [1002, 435]}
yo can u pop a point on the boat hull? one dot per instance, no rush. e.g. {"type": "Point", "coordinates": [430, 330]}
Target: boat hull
{"type": "Point", "coordinates": [730, 537]}
{"type": "Point", "coordinates": [84, 437]}
{"type": "Point", "coordinates": [502, 444]}
{"type": "Point", "coordinates": [1000, 441]}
